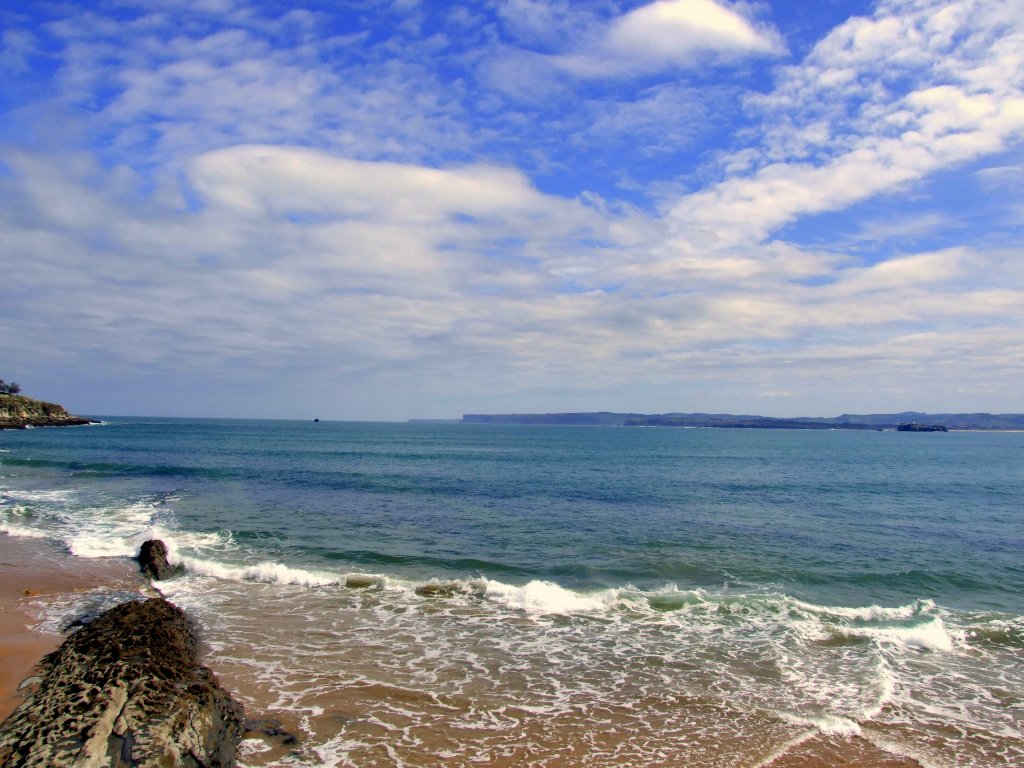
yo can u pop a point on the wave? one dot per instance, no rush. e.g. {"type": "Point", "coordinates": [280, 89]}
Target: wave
{"type": "Point", "coordinates": [119, 531]}
{"type": "Point", "coordinates": [546, 597]}
{"type": "Point", "coordinates": [108, 469]}
{"type": "Point", "coordinates": [18, 495]}
{"type": "Point", "coordinates": [871, 612]}
{"type": "Point", "coordinates": [930, 635]}
{"type": "Point", "coordinates": [913, 626]}
{"type": "Point", "coordinates": [266, 572]}
{"type": "Point", "coordinates": [22, 532]}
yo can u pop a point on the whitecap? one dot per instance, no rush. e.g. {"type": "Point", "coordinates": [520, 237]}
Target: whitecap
{"type": "Point", "coordinates": [868, 613]}
{"type": "Point", "coordinates": [266, 572]}
{"type": "Point", "coordinates": [21, 532]}
{"type": "Point", "coordinates": [546, 597]}
{"type": "Point", "coordinates": [931, 635]}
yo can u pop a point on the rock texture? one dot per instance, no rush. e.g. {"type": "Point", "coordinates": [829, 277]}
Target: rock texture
{"type": "Point", "coordinates": [153, 561]}
{"type": "Point", "coordinates": [126, 690]}
{"type": "Point", "coordinates": [17, 412]}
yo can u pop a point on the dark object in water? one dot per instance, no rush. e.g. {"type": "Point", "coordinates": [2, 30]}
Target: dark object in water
{"type": "Point", "coordinates": [153, 561]}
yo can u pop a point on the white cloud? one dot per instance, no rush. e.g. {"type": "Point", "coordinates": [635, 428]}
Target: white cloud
{"type": "Point", "coordinates": [659, 120]}
{"type": "Point", "coordinates": [254, 207]}
{"type": "Point", "coordinates": [15, 48]}
{"type": "Point", "coordinates": [282, 180]}
{"type": "Point", "coordinates": [165, 89]}
{"type": "Point", "coordinates": [835, 158]}
{"type": "Point", "coordinates": [670, 34]}
{"type": "Point", "coordinates": [672, 30]}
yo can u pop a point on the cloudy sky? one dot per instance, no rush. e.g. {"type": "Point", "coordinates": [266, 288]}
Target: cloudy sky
{"type": "Point", "coordinates": [395, 209]}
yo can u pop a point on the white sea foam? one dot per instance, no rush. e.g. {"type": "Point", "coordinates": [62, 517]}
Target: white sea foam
{"type": "Point", "coordinates": [931, 635]}
{"type": "Point", "coordinates": [111, 531]}
{"type": "Point", "coordinates": [548, 598]}
{"type": "Point", "coordinates": [868, 613]}
{"type": "Point", "coordinates": [29, 497]}
{"type": "Point", "coordinates": [21, 532]}
{"type": "Point", "coordinates": [265, 572]}
{"type": "Point", "coordinates": [670, 597]}
{"type": "Point", "coordinates": [830, 725]}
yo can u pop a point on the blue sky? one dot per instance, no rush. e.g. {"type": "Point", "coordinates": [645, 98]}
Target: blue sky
{"type": "Point", "coordinates": [388, 210]}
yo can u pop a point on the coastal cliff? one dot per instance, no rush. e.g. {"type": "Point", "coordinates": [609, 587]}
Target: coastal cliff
{"type": "Point", "coordinates": [19, 412]}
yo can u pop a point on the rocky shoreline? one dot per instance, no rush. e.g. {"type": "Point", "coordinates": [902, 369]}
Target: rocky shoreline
{"type": "Point", "coordinates": [126, 689]}
{"type": "Point", "coordinates": [19, 412]}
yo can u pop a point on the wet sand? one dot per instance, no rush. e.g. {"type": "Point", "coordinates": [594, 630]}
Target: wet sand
{"type": "Point", "coordinates": [825, 751]}
{"type": "Point", "coordinates": [33, 570]}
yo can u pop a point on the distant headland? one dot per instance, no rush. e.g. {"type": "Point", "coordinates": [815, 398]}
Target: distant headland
{"type": "Point", "coordinates": [20, 412]}
{"type": "Point", "coordinates": [907, 421]}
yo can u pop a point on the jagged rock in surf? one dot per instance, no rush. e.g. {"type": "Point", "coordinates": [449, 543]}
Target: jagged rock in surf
{"type": "Point", "coordinates": [153, 561]}
{"type": "Point", "coordinates": [270, 728]}
{"type": "Point", "coordinates": [126, 690]}
{"type": "Point", "coordinates": [433, 589]}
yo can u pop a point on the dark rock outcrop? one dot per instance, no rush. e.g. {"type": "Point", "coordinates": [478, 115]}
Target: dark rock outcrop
{"type": "Point", "coordinates": [270, 728]}
{"type": "Point", "coordinates": [126, 690]}
{"type": "Point", "coordinates": [153, 561]}
{"type": "Point", "coordinates": [915, 427]}
{"type": "Point", "coordinates": [18, 412]}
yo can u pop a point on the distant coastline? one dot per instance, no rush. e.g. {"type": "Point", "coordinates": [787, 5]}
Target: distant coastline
{"type": "Point", "coordinates": [869, 421]}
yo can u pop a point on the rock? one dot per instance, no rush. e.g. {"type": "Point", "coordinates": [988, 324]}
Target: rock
{"type": "Point", "coordinates": [915, 427]}
{"type": "Point", "coordinates": [270, 728]}
{"type": "Point", "coordinates": [19, 412]}
{"type": "Point", "coordinates": [153, 561]}
{"type": "Point", "coordinates": [434, 589]}
{"type": "Point", "coordinates": [356, 581]}
{"type": "Point", "coordinates": [126, 690]}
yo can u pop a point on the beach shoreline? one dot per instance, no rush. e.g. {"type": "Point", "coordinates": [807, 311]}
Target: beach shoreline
{"type": "Point", "coordinates": [34, 571]}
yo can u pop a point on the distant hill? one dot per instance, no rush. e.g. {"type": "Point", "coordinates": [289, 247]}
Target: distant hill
{"type": "Point", "coordinates": [733, 421]}
{"type": "Point", "coordinates": [19, 412]}
{"type": "Point", "coordinates": [592, 419]}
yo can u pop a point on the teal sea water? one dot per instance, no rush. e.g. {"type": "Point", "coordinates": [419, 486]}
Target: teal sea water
{"type": "Point", "coordinates": [409, 593]}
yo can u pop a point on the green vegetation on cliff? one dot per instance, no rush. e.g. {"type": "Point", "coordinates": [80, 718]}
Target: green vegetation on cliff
{"type": "Point", "coordinates": [19, 412]}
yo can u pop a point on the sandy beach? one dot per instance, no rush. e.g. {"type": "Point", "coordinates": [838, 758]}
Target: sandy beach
{"type": "Point", "coordinates": [33, 571]}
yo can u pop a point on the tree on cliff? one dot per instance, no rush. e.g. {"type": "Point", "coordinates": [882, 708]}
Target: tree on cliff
{"type": "Point", "coordinates": [9, 389]}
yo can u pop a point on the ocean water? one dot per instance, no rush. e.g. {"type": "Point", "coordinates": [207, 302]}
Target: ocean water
{"type": "Point", "coordinates": [407, 594]}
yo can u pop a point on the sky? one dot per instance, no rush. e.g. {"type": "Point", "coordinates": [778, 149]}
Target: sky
{"type": "Point", "coordinates": [382, 210]}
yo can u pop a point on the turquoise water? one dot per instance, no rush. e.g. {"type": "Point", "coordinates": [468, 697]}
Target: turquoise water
{"type": "Point", "coordinates": [878, 575]}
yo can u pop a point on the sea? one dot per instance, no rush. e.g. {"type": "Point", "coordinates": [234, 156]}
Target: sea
{"type": "Point", "coordinates": [408, 594]}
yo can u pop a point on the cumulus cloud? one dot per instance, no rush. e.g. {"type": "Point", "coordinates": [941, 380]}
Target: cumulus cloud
{"type": "Point", "coordinates": [674, 32]}
{"type": "Point", "coordinates": [663, 35]}
{"type": "Point", "coordinates": [282, 180]}
{"type": "Point", "coordinates": [965, 100]}
{"type": "Point", "coordinates": [344, 211]}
